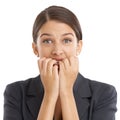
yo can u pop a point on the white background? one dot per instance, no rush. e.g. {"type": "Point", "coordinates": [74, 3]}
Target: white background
{"type": "Point", "coordinates": [100, 57]}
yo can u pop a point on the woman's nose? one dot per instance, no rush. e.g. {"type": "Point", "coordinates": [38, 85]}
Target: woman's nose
{"type": "Point", "coordinates": [57, 49]}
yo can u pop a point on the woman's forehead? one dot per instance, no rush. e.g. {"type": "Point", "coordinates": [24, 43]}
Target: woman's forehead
{"type": "Point", "coordinates": [52, 26]}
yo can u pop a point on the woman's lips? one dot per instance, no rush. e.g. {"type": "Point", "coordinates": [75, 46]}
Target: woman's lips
{"type": "Point", "coordinates": [58, 59]}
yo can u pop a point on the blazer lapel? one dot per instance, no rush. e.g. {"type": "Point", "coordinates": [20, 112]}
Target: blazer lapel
{"type": "Point", "coordinates": [82, 94]}
{"type": "Point", "coordinates": [81, 90]}
{"type": "Point", "coordinates": [34, 96]}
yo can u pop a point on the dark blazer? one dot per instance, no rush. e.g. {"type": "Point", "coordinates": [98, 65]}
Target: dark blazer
{"type": "Point", "coordinates": [94, 100]}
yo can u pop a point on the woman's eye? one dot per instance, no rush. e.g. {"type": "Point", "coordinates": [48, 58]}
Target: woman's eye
{"type": "Point", "coordinates": [47, 41]}
{"type": "Point", "coordinates": [67, 41]}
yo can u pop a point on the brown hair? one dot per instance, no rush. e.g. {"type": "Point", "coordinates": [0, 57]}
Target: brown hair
{"type": "Point", "coordinates": [60, 14]}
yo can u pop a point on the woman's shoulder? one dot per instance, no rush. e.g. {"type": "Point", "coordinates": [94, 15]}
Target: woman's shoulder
{"type": "Point", "coordinates": [94, 84]}
{"type": "Point", "coordinates": [98, 86]}
{"type": "Point", "coordinates": [103, 95]}
{"type": "Point", "coordinates": [101, 90]}
{"type": "Point", "coordinates": [20, 86]}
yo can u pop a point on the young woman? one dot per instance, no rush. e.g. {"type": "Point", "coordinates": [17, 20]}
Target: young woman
{"type": "Point", "coordinates": [60, 92]}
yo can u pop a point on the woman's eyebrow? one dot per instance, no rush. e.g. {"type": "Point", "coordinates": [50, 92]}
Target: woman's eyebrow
{"type": "Point", "coordinates": [67, 34]}
{"type": "Point", "coordinates": [46, 34]}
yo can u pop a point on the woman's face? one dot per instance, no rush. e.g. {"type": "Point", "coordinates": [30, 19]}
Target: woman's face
{"type": "Point", "coordinates": [56, 40]}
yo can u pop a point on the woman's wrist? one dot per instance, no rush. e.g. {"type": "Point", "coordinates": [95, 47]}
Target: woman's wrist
{"type": "Point", "coordinates": [66, 93]}
{"type": "Point", "coordinates": [50, 96]}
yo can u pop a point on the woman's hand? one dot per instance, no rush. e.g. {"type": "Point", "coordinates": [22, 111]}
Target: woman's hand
{"type": "Point", "coordinates": [68, 73]}
{"type": "Point", "coordinates": [54, 81]}
{"type": "Point", "coordinates": [49, 76]}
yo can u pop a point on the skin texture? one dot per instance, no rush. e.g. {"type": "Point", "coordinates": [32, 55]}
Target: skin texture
{"type": "Point", "coordinates": [57, 48]}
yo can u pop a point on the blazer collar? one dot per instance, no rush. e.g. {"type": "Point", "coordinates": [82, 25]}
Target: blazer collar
{"type": "Point", "coordinates": [34, 96]}
{"type": "Point", "coordinates": [81, 93]}
{"type": "Point", "coordinates": [81, 86]}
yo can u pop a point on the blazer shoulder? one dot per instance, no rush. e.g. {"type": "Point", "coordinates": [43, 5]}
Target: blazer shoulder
{"type": "Point", "coordinates": [102, 92]}
{"type": "Point", "coordinates": [19, 87]}
{"type": "Point", "coordinates": [99, 87]}
{"type": "Point", "coordinates": [95, 86]}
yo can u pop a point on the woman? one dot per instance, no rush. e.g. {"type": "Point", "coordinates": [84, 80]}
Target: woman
{"type": "Point", "coordinates": [60, 92]}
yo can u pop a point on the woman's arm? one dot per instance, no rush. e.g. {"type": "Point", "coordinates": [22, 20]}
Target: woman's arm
{"type": "Point", "coordinates": [69, 110]}
{"type": "Point", "coordinates": [47, 108]}
{"type": "Point", "coordinates": [68, 74]}
{"type": "Point", "coordinates": [105, 103]}
{"type": "Point", "coordinates": [50, 80]}
{"type": "Point", "coordinates": [12, 102]}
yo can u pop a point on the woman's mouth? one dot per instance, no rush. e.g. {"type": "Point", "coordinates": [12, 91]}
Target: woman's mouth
{"type": "Point", "coordinates": [57, 63]}
{"type": "Point", "coordinates": [58, 59]}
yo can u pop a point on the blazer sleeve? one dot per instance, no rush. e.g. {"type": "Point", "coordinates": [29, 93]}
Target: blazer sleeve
{"type": "Point", "coordinates": [12, 104]}
{"type": "Point", "coordinates": [105, 104]}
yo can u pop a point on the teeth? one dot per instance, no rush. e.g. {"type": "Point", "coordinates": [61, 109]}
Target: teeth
{"type": "Point", "coordinates": [57, 63]}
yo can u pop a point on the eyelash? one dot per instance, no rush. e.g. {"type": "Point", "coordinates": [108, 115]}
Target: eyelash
{"type": "Point", "coordinates": [67, 40]}
{"type": "Point", "coordinates": [46, 41]}
{"type": "Point", "coordinates": [49, 41]}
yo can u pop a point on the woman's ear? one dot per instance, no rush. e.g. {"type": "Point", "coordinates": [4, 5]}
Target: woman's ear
{"type": "Point", "coordinates": [79, 47]}
{"type": "Point", "coordinates": [35, 49]}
